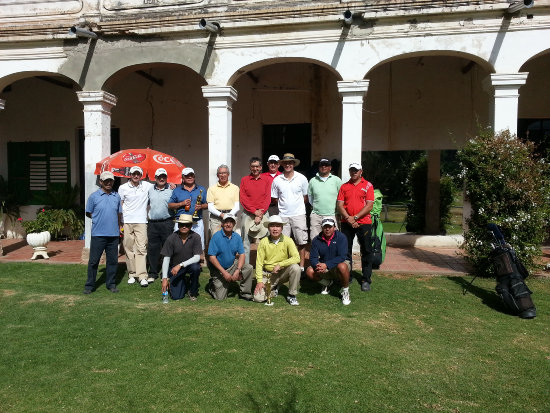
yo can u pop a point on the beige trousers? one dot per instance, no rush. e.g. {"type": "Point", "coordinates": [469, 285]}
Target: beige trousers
{"type": "Point", "coordinates": [135, 245]}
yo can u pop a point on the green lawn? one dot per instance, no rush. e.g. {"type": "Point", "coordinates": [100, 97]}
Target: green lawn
{"type": "Point", "coordinates": [411, 344]}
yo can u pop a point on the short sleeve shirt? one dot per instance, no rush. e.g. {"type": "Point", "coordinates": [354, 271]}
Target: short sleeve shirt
{"type": "Point", "coordinates": [104, 208]}
{"type": "Point", "coordinates": [178, 251]}
{"type": "Point", "coordinates": [158, 202]}
{"type": "Point", "coordinates": [134, 202]}
{"type": "Point", "coordinates": [290, 193]}
{"type": "Point", "coordinates": [355, 197]}
{"type": "Point", "coordinates": [225, 248]}
{"type": "Point", "coordinates": [223, 197]}
{"type": "Point", "coordinates": [180, 194]}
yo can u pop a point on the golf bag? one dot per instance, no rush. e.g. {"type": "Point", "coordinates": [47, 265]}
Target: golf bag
{"type": "Point", "coordinates": [378, 237]}
{"type": "Point", "coordinates": [510, 275]}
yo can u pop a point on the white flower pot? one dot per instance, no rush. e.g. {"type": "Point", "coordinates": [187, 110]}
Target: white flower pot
{"type": "Point", "coordinates": [38, 242]}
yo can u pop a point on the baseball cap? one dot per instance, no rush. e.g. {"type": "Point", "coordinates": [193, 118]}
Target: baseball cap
{"type": "Point", "coordinates": [187, 171]}
{"type": "Point", "coordinates": [136, 169]}
{"type": "Point", "coordinates": [229, 216]}
{"type": "Point", "coordinates": [106, 175]}
{"type": "Point", "coordinates": [328, 221]}
{"type": "Point", "coordinates": [324, 161]}
{"type": "Point", "coordinates": [355, 165]}
{"type": "Point", "coordinates": [273, 158]}
{"type": "Point", "coordinates": [160, 171]}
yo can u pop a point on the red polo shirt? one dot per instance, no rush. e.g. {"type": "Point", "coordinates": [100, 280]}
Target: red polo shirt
{"type": "Point", "coordinates": [268, 175]}
{"type": "Point", "coordinates": [255, 193]}
{"type": "Point", "coordinates": [355, 198]}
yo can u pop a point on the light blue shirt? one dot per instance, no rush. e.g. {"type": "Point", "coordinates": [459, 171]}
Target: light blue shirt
{"type": "Point", "coordinates": [158, 202]}
{"type": "Point", "coordinates": [104, 209]}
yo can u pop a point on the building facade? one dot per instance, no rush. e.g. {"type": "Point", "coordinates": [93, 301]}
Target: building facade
{"type": "Point", "coordinates": [317, 78]}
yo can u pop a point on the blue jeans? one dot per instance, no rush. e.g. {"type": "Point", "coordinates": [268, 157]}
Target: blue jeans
{"type": "Point", "coordinates": [97, 246]}
{"type": "Point", "coordinates": [180, 283]}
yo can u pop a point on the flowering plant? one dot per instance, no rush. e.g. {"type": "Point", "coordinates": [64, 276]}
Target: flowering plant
{"type": "Point", "coordinates": [508, 184]}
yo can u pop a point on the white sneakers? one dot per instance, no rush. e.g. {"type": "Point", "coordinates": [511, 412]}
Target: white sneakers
{"type": "Point", "coordinates": [345, 297]}
{"type": "Point", "coordinates": [131, 280]}
{"type": "Point", "coordinates": [292, 300]}
{"type": "Point", "coordinates": [144, 283]}
{"type": "Point", "coordinates": [327, 284]}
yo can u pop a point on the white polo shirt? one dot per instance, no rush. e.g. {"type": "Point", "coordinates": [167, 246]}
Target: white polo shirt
{"type": "Point", "coordinates": [134, 202]}
{"type": "Point", "coordinates": [290, 193]}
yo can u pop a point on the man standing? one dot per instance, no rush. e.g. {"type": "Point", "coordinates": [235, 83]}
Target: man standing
{"type": "Point", "coordinates": [271, 174]}
{"type": "Point", "coordinates": [223, 198]}
{"type": "Point", "coordinates": [161, 223]}
{"type": "Point", "coordinates": [289, 190]}
{"type": "Point", "coordinates": [182, 251]}
{"type": "Point", "coordinates": [135, 196]}
{"type": "Point", "coordinates": [329, 258]}
{"type": "Point", "coordinates": [255, 196]}
{"type": "Point", "coordinates": [226, 256]}
{"type": "Point", "coordinates": [322, 193]}
{"type": "Point", "coordinates": [184, 201]}
{"type": "Point", "coordinates": [277, 259]}
{"type": "Point", "coordinates": [355, 201]}
{"type": "Point", "coordinates": [105, 210]}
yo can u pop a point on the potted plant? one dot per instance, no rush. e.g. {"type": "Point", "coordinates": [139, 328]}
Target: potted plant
{"type": "Point", "coordinates": [38, 235]}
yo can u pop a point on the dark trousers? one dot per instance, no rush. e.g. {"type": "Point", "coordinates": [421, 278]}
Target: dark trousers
{"type": "Point", "coordinates": [363, 233]}
{"type": "Point", "coordinates": [157, 232]}
{"type": "Point", "coordinates": [97, 246]}
{"type": "Point", "coordinates": [180, 283]}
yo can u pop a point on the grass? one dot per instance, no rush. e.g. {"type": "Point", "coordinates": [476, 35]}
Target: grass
{"type": "Point", "coordinates": [395, 221]}
{"type": "Point", "coordinates": [411, 344]}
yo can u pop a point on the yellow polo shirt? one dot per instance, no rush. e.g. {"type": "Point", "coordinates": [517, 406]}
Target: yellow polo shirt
{"type": "Point", "coordinates": [270, 254]}
{"type": "Point", "coordinates": [223, 197]}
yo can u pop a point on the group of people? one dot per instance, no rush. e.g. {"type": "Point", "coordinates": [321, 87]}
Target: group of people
{"type": "Point", "coordinates": [162, 220]}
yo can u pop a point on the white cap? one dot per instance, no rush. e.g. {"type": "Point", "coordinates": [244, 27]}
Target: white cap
{"type": "Point", "coordinates": [229, 216]}
{"type": "Point", "coordinates": [160, 171]}
{"type": "Point", "coordinates": [328, 221]}
{"type": "Point", "coordinates": [136, 169]}
{"type": "Point", "coordinates": [106, 175]}
{"type": "Point", "coordinates": [273, 158]}
{"type": "Point", "coordinates": [355, 165]}
{"type": "Point", "coordinates": [187, 171]}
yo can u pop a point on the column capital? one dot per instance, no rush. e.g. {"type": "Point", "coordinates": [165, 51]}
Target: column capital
{"type": "Point", "coordinates": [506, 83]}
{"type": "Point", "coordinates": [353, 87]}
{"type": "Point", "coordinates": [95, 97]}
{"type": "Point", "coordinates": [227, 93]}
{"type": "Point", "coordinates": [2, 104]}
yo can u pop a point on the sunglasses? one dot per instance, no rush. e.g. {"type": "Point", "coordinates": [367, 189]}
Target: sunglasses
{"type": "Point", "coordinates": [185, 225]}
{"type": "Point", "coordinates": [189, 176]}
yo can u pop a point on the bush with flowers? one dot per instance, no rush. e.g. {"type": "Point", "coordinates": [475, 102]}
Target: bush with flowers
{"type": "Point", "coordinates": [509, 184]}
{"type": "Point", "coordinates": [60, 223]}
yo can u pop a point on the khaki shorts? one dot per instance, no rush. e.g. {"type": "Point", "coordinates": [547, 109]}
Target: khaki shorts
{"type": "Point", "coordinates": [298, 226]}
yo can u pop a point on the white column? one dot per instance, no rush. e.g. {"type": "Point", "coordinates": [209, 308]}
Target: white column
{"type": "Point", "coordinates": [220, 115]}
{"type": "Point", "coordinates": [2, 106]}
{"type": "Point", "coordinates": [352, 121]}
{"type": "Point", "coordinates": [97, 140]}
{"type": "Point", "coordinates": [505, 87]}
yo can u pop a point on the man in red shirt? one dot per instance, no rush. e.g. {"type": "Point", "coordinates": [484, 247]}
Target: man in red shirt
{"type": "Point", "coordinates": [255, 196]}
{"type": "Point", "coordinates": [354, 202]}
{"type": "Point", "coordinates": [272, 172]}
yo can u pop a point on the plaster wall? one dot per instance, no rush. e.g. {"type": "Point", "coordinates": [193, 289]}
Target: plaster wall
{"type": "Point", "coordinates": [534, 98]}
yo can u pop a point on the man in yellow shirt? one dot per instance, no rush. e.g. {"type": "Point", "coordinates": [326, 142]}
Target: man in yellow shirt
{"type": "Point", "coordinates": [277, 258]}
{"type": "Point", "coordinates": [222, 198]}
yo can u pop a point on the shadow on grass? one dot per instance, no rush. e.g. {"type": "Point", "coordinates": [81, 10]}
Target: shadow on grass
{"type": "Point", "coordinates": [102, 273]}
{"type": "Point", "coordinates": [489, 298]}
{"type": "Point", "coordinates": [273, 403]}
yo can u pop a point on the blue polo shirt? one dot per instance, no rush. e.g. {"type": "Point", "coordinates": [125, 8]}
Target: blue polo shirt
{"type": "Point", "coordinates": [180, 194]}
{"type": "Point", "coordinates": [104, 208]}
{"type": "Point", "coordinates": [225, 248]}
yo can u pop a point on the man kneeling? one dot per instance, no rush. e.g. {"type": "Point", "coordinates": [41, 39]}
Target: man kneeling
{"type": "Point", "coordinates": [277, 257]}
{"type": "Point", "coordinates": [182, 251]}
{"type": "Point", "coordinates": [329, 258]}
{"type": "Point", "coordinates": [227, 262]}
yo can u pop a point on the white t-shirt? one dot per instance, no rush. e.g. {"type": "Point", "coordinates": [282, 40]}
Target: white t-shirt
{"type": "Point", "coordinates": [290, 194]}
{"type": "Point", "coordinates": [134, 202]}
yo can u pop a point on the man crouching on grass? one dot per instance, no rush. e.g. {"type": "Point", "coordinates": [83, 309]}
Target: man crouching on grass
{"type": "Point", "coordinates": [329, 258]}
{"type": "Point", "coordinates": [277, 258]}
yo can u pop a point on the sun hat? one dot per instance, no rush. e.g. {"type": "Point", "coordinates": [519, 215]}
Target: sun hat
{"type": "Point", "coordinates": [184, 219]}
{"type": "Point", "coordinates": [160, 171]}
{"type": "Point", "coordinates": [256, 230]}
{"type": "Point", "coordinates": [106, 175]}
{"type": "Point", "coordinates": [290, 157]}
{"type": "Point", "coordinates": [136, 169]}
{"type": "Point", "coordinates": [274, 219]}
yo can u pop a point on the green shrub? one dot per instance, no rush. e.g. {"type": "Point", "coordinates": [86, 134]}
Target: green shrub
{"type": "Point", "coordinates": [505, 184]}
{"type": "Point", "coordinates": [59, 222]}
{"type": "Point", "coordinates": [417, 184]}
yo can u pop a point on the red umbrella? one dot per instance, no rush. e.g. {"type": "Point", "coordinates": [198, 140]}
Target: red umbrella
{"type": "Point", "coordinates": [119, 164]}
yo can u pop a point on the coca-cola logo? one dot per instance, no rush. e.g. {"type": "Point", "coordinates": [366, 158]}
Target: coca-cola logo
{"type": "Point", "coordinates": [163, 159]}
{"type": "Point", "coordinates": [134, 157]}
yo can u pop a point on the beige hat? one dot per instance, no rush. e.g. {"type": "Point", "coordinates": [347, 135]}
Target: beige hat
{"type": "Point", "coordinates": [274, 219]}
{"type": "Point", "coordinates": [184, 219]}
{"type": "Point", "coordinates": [106, 175]}
{"type": "Point", "coordinates": [256, 230]}
{"type": "Point", "coordinates": [290, 157]}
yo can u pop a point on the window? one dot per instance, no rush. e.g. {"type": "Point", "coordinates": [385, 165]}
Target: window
{"type": "Point", "coordinates": [35, 167]}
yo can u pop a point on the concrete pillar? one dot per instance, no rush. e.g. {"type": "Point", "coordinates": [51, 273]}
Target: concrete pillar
{"type": "Point", "coordinates": [220, 116]}
{"type": "Point", "coordinates": [432, 193]}
{"type": "Point", "coordinates": [2, 225]}
{"type": "Point", "coordinates": [97, 140]}
{"type": "Point", "coordinates": [352, 121]}
{"type": "Point", "coordinates": [505, 87]}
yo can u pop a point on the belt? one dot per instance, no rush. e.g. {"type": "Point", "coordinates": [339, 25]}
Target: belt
{"type": "Point", "coordinates": [159, 220]}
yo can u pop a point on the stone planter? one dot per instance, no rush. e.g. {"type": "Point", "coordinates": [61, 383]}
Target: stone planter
{"type": "Point", "coordinates": [39, 241]}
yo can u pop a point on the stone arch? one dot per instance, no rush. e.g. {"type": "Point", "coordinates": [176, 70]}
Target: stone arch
{"type": "Point", "coordinates": [14, 77]}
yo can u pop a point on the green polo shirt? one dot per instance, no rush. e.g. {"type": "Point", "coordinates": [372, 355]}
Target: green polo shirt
{"type": "Point", "coordinates": [322, 194]}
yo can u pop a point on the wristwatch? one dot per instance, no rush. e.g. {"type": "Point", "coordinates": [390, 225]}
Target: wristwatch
{"type": "Point", "coordinates": [356, 217]}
